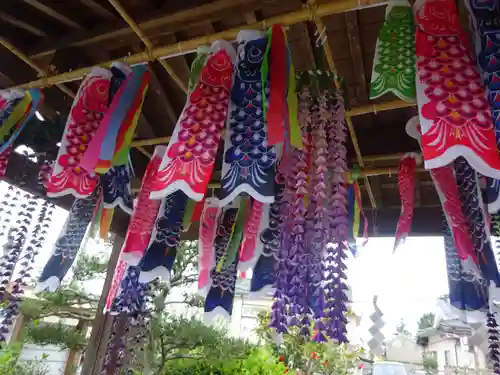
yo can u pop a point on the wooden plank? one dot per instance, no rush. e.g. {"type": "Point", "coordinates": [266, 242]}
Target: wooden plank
{"type": "Point", "coordinates": [167, 23]}
{"type": "Point", "coordinates": [54, 14]}
{"type": "Point", "coordinates": [22, 25]}
{"type": "Point", "coordinates": [99, 9]}
{"type": "Point", "coordinates": [357, 57]}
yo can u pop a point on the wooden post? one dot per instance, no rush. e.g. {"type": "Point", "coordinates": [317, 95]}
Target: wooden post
{"type": "Point", "coordinates": [74, 355]}
{"type": "Point", "coordinates": [17, 328]}
{"type": "Point", "coordinates": [100, 329]}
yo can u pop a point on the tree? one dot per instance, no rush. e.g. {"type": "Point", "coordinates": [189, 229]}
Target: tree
{"type": "Point", "coordinates": [174, 338]}
{"type": "Point", "coordinates": [76, 301]}
{"type": "Point", "coordinates": [426, 321]}
{"type": "Point", "coordinates": [401, 328]}
{"type": "Point", "coordinates": [167, 338]}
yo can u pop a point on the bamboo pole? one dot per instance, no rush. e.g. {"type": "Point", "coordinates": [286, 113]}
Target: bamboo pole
{"type": "Point", "coordinates": [379, 107]}
{"type": "Point", "coordinates": [4, 42]}
{"type": "Point", "coordinates": [143, 151]}
{"type": "Point", "coordinates": [312, 9]}
{"type": "Point", "coordinates": [150, 142]}
{"type": "Point", "coordinates": [385, 157]}
{"type": "Point", "coordinates": [189, 46]}
{"type": "Point", "coordinates": [149, 46]}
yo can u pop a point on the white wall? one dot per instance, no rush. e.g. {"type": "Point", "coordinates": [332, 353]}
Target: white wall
{"type": "Point", "coordinates": [459, 354]}
{"type": "Point", "coordinates": [51, 357]}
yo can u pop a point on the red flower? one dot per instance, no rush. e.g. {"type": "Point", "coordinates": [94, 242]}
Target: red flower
{"type": "Point", "coordinates": [286, 370]}
{"type": "Point", "coordinates": [314, 355]}
{"type": "Point", "coordinates": [325, 363]}
{"type": "Point", "coordinates": [282, 358]}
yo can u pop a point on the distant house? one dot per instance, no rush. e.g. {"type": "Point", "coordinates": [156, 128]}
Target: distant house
{"type": "Point", "coordinates": [403, 348]}
{"type": "Point", "coordinates": [455, 345]}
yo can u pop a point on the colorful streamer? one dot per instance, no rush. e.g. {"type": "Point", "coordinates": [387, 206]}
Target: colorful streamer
{"type": "Point", "coordinates": [190, 157]}
{"type": "Point", "coordinates": [145, 212]}
{"type": "Point", "coordinates": [249, 162]}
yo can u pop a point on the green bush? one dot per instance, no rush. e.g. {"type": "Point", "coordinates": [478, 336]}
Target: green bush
{"type": "Point", "coordinates": [258, 362]}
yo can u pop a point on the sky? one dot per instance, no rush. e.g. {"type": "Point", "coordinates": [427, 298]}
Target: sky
{"type": "Point", "coordinates": [407, 282]}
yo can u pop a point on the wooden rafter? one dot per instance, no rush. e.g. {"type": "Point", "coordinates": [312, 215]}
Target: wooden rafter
{"type": "Point", "coordinates": [351, 19]}
{"type": "Point", "coordinates": [42, 72]}
{"type": "Point", "coordinates": [149, 46]}
{"type": "Point", "coordinates": [21, 24]}
{"type": "Point", "coordinates": [168, 23]}
{"type": "Point", "coordinates": [54, 14]}
{"type": "Point", "coordinates": [178, 63]}
{"type": "Point", "coordinates": [157, 89]}
{"type": "Point", "coordinates": [99, 9]}
{"type": "Point", "coordinates": [189, 46]}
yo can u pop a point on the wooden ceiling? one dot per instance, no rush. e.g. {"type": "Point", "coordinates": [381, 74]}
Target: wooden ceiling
{"type": "Point", "coordinates": [62, 35]}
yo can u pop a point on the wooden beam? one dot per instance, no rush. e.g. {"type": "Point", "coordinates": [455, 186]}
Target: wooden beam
{"type": "Point", "coordinates": [167, 22]}
{"type": "Point", "coordinates": [54, 14]}
{"type": "Point", "coordinates": [22, 25]}
{"type": "Point", "coordinates": [351, 19]}
{"type": "Point", "coordinates": [189, 46]}
{"type": "Point", "coordinates": [99, 9]}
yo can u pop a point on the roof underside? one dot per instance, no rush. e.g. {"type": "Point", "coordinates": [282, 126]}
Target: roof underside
{"type": "Point", "coordinates": [63, 35]}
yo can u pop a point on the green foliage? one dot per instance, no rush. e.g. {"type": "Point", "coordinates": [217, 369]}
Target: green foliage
{"type": "Point", "coordinates": [89, 266]}
{"type": "Point", "coordinates": [10, 364]}
{"type": "Point", "coordinates": [65, 336]}
{"type": "Point", "coordinates": [308, 357]}
{"type": "Point", "coordinates": [426, 321]}
{"type": "Point", "coordinates": [430, 364]}
{"type": "Point", "coordinates": [177, 338]}
{"type": "Point", "coordinates": [259, 362]}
